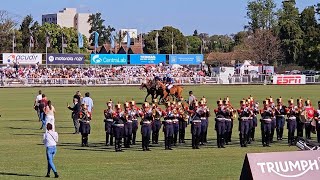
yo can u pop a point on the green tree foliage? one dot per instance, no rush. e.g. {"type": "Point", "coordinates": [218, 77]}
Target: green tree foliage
{"type": "Point", "coordinates": [97, 25]}
{"type": "Point", "coordinates": [221, 43]}
{"type": "Point", "coordinates": [28, 28]}
{"type": "Point", "coordinates": [166, 35]}
{"type": "Point", "coordinates": [7, 24]}
{"type": "Point", "coordinates": [261, 14]}
{"type": "Point", "coordinates": [193, 44]}
{"type": "Point", "coordinates": [311, 41]}
{"type": "Point", "coordinates": [290, 32]}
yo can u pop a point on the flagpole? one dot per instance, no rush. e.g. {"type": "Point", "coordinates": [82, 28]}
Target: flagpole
{"type": "Point", "coordinates": [13, 37]}
{"type": "Point", "coordinates": [157, 42]}
{"type": "Point", "coordinates": [62, 43]}
{"type": "Point", "coordinates": [171, 42]}
{"type": "Point", "coordinates": [30, 45]}
{"type": "Point", "coordinates": [46, 55]}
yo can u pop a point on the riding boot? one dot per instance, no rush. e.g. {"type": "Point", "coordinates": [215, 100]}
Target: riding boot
{"type": "Point", "coordinates": [226, 135]}
{"type": "Point", "coordinates": [241, 140]}
{"type": "Point", "coordinates": [245, 142]}
{"type": "Point", "coordinates": [153, 138]}
{"type": "Point", "coordinates": [281, 133]}
{"type": "Point", "coordinates": [175, 139]}
{"type": "Point", "coordinates": [169, 142]}
{"type": "Point", "coordinates": [120, 145]}
{"type": "Point", "coordinates": [222, 142]}
{"type": "Point", "coordinates": [253, 133]}
{"type": "Point", "coordinates": [82, 141]}
{"type": "Point", "coordinates": [278, 134]}
{"type": "Point", "coordinates": [268, 138]}
{"type": "Point", "coordinates": [111, 140]}
{"type": "Point", "coordinates": [107, 139]}
{"type": "Point", "coordinates": [116, 145]}
{"type": "Point", "coordinates": [134, 138]}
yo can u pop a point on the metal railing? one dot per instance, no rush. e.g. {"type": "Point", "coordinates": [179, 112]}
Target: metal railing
{"type": "Point", "coordinates": [125, 81]}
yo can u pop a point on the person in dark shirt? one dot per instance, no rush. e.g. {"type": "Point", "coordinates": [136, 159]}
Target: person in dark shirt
{"type": "Point", "coordinates": [75, 114]}
{"type": "Point", "coordinates": [42, 104]}
{"type": "Point", "coordinates": [77, 96]}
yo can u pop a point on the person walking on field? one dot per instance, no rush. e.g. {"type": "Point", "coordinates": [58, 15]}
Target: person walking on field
{"type": "Point", "coordinates": [50, 139]}
{"type": "Point", "coordinates": [36, 104]}
{"type": "Point", "coordinates": [49, 111]}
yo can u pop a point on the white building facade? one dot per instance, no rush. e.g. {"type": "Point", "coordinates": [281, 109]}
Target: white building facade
{"type": "Point", "coordinates": [69, 17]}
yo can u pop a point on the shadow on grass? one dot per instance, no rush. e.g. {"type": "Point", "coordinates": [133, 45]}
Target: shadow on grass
{"type": "Point", "coordinates": [24, 120]}
{"type": "Point", "coordinates": [16, 174]}
{"type": "Point", "coordinates": [20, 128]}
{"type": "Point", "coordinates": [26, 134]}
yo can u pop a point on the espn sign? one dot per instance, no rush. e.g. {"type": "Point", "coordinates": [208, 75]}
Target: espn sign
{"type": "Point", "coordinates": [289, 79]}
{"type": "Point", "coordinates": [298, 165]}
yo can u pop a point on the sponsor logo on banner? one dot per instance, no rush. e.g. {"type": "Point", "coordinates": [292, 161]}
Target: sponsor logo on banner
{"type": "Point", "coordinates": [141, 59]}
{"type": "Point", "coordinates": [289, 79]}
{"type": "Point", "coordinates": [22, 58]}
{"type": "Point", "coordinates": [282, 165]}
{"type": "Point", "coordinates": [65, 59]}
{"type": "Point", "coordinates": [109, 59]}
{"type": "Point", "coordinates": [186, 59]}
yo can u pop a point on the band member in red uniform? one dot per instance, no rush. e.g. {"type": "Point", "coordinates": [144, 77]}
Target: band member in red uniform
{"type": "Point", "coordinates": [266, 115]}
{"type": "Point", "coordinates": [280, 111]}
{"type": "Point", "coordinates": [108, 121]}
{"type": "Point", "coordinates": [134, 114]}
{"type": "Point", "coordinates": [156, 121]}
{"type": "Point", "coordinates": [220, 125]}
{"type": "Point", "coordinates": [292, 113]}
{"type": "Point", "coordinates": [310, 114]}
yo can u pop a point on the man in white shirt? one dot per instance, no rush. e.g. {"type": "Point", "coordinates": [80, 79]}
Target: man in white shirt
{"type": "Point", "coordinates": [36, 103]}
{"type": "Point", "coordinates": [50, 139]}
{"type": "Point", "coordinates": [88, 102]}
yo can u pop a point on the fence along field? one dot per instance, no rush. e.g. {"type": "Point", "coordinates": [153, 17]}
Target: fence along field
{"type": "Point", "coordinates": [23, 157]}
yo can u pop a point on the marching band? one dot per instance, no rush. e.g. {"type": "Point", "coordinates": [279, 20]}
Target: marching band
{"type": "Point", "coordinates": [121, 122]}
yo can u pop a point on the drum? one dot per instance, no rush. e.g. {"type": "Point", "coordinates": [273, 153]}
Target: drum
{"type": "Point", "coordinates": [303, 116]}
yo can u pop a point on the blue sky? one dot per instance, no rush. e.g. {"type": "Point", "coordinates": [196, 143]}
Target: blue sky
{"type": "Point", "coordinates": [210, 16]}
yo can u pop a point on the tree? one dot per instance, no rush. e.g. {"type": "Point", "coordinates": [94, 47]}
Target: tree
{"type": "Point", "coordinates": [263, 46]}
{"type": "Point", "coordinates": [290, 32]}
{"type": "Point", "coordinates": [311, 48]}
{"type": "Point", "coordinates": [193, 44]}
{"type": "Point", "coordinates": [166, 35]}
{"type": "Point", "coordinates": [221, 43]}
{"type": "Point", "coordinates": [25, 29]}
{"type": "Point", "coordinates": [261, 14]}
{"type": "Point", "coordinates": [7, 25]}
{"type": "Point", "coordinates": [97, 25]}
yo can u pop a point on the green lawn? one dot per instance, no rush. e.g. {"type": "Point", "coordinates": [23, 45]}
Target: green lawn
{"type": "Point", "coordinates": [22, 155]}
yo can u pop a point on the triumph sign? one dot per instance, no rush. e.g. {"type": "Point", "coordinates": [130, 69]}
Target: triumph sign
{"type": "Point", "coordinates": [22, 58]}
{"type": "Point", "coordinates": [65, 59]}
{"type": "Point", "coordinates": [282, 165]}
{"type": "Point", "coordinates": [289, 79]}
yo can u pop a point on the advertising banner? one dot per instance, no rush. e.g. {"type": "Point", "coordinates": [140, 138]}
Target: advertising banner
{"type": "Point", "coordinates": [289, 79]}
{"type": "Point", "coordinates": [142, 59]}
{"type": "Point", "coordinates": [108, 59]}
{"type": "Point", "coordinates": [186, 59]}
{"type": "Point", "coordinates": [65, 59]}
{"type": "Point", "coordinates": [22, 58]}
{"type": "Point", "coordinates": [299, 165]}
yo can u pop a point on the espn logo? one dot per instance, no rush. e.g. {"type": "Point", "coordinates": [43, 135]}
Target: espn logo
{"type": "Point", "coordinates": [289, 79]}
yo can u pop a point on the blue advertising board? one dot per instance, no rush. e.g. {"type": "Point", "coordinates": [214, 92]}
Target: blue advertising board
{"type": "Point", "coordinates": [108, 59]}
{"type": "Point", "coordinates": [142, 59]}
{"type": "Point", "coordinates": [186, 59]}
{"type": "Point", "coordinates": [65, 59]}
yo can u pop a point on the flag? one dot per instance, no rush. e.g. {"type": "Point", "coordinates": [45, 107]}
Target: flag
{"type": "Point", "coordinates": [128, 40]}
{"type": "Point", "coordinates": [112, 41]}
{"type": "Point", "coordinates": [31, 41]}
{"type": "Point", "coordinates": [96, 39]}
{"type": "Point", "coordinates": [80, 40]}
{"type": "Point", "coordinates": [47, 40]}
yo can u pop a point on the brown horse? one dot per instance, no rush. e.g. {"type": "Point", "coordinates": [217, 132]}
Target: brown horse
{"type": "Point", "coordinates": [175, 92]}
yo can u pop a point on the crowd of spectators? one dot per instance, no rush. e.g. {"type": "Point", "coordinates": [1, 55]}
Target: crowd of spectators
{"type": "Point", "coordinates": [42, 72]}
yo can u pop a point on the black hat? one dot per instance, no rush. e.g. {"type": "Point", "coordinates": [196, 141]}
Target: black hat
{"type": "Point", "coordinates": [319, 102]}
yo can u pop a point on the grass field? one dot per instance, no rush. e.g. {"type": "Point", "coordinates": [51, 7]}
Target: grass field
{"type": "Point", "coordinates": [23, 155]}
